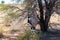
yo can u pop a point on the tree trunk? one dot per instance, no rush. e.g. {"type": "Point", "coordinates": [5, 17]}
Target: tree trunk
{"type": "Point", "coordinates": [47, 18]}
{"type": "Point", "coordinates": [49, 7]}
{"type": "Point", "coordinates": [42, 23]}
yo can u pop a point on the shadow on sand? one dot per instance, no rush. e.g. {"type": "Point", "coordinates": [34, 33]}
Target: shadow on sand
{"type": "Point", "coordinates": [51, 34]}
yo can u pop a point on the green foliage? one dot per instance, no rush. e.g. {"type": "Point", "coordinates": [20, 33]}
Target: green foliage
{"type": "Point", "coordinates": [2, 2]}
{"type": "Point", "coordinates": [30, 8]}
{"type": "Point", "coordinates": [11, 13]}
{"type": "Point", "coordinates": [4, 7]}
{"type": "Point", "coordinates": [25, 36]}
{"type": "Point", "coordinates": [28, 36]}
{"type": "Point", "coordinates": [35, 36]}
{"type": "Point", "coordinates": [17, 1]}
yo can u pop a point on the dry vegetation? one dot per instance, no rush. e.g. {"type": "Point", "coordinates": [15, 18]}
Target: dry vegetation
{"type": "Point", "coordinates": [15, 21]}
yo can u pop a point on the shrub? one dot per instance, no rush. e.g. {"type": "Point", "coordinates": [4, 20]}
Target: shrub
{"type": "Point", "coordinates": [28, 36]}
